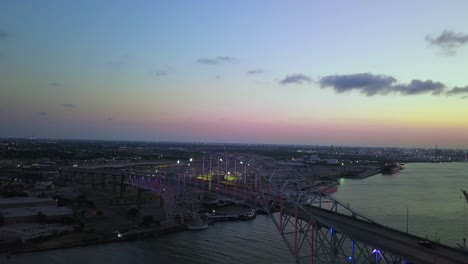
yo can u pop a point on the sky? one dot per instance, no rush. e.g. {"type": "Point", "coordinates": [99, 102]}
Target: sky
{"type": "Point", "coordinates": [354, 73]}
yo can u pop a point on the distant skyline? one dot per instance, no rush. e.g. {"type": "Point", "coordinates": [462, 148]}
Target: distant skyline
{"type": "Point", "coordinates": [360, 73]}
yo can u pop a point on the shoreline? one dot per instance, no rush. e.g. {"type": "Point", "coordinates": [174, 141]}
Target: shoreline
{"type": "Point", "coordinates": [154, 232]}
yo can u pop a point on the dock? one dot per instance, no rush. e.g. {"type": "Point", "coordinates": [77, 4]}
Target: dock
{"type": "Point", "coordinates": [220, 218]}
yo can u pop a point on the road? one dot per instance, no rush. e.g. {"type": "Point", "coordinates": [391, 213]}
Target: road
{"type": "Point", "coordinates": [379, 236]}
{"type": "Point", "coordinates": [387, 239]}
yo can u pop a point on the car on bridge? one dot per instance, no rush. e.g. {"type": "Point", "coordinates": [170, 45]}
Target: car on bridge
{"type": "Point", "coordinates": [427, 244]}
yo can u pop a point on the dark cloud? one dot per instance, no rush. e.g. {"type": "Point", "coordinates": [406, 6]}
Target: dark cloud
{"type": "Point", "coordinates": [215, 61]}
{"type": "Point", "coordinates": [161, 72]}
{"type": "Point", "coordinates": [295, 79]}
{"type": "Point", "coordinates": [54, 84]}
{"type": "Point", "coordinates": [419, 87]}
{"type": "Point", "coordinates": [3, 34]}
{"type": "Point", "coordinates": [208, 61]}
{"type": "Point", "coordinates": [119, 62]}
{"type": "Point", "coordinates": [109, 119]}
{"type": "Point", "coordinates": [369, 84]}
{"type": "Point", "coordinates": [372, 84]}
{"type": "Point", "coordinates": [464, 97]}
{"type": "Point", "coordinates": [458, 90]}
{"type": "Point", "coordinates": [225, 59]}
{"type": "Point", "coordinates": [253, 72]}
{"type": "Point", "coordinates": [69, 105]}
{"type": "Point", "coordinates": [42, 113]}
{"type": "Point", "coordinates": [448, 41]}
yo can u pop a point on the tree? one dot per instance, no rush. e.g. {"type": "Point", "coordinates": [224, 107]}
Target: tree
{"type": "Point", "coordinates": [147, 220]}
{"type": "Point", "coordinates": [133, 212]}
{"type": "Point", "coordinates": [41, 217]}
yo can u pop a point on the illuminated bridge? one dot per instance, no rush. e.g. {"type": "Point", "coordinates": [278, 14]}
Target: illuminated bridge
{"type": "Point", "coordinates": [316, 227]}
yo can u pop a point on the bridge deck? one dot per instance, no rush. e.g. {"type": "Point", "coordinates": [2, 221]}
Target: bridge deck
{"type": "Point", "coordinates": [389, 239]}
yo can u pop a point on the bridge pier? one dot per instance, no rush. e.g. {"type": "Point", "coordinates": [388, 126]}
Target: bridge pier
{"type": "Point", "coordinates": [113, 182]}
{"type": "Point", "coordinates": [103, 181]}
{"type": "Point", "coordinates": [122, 185]}
{"type": "Point", "coordinates": [139, 192]}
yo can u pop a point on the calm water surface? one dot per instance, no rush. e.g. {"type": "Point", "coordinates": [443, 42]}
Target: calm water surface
{"type": "Point", "coordinates": [430, 192]}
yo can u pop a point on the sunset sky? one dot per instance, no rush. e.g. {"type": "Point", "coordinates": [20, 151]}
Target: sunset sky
{"type": "Point", "coordinates": [370, 73]}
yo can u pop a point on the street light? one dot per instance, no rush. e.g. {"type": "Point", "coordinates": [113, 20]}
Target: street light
{"type": "Point", "coordinates": [435, 237]}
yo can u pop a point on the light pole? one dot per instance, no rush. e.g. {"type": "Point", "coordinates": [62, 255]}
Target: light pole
{"type": "Point", "coordinates": [465, 201]}
{"type": "Point", "coordinates": [226, 177]}
{"type": "Point", "coordinates": [435, 237]}
{"type": "Point", "coordinates": [235, 178]}
{"type": "Point", "coordinates": [217, 175]}
{"type": "Point", "coordinates": [407, 219]}
{"type": "Point", "coordinates": [190, 174]}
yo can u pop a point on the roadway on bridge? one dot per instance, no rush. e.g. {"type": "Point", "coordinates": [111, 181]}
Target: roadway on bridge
{"type": "Point", "coordinates": [388, 239]}
{"type": "Point", "coordinates": [379, 236]}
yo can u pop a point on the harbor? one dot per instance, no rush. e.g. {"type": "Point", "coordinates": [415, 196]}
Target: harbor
{"type": "Point", "coordinates": [258, 241]}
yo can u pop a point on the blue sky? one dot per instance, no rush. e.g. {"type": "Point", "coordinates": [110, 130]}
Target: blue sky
{"type": "Point", "coordinates": [179, 70]}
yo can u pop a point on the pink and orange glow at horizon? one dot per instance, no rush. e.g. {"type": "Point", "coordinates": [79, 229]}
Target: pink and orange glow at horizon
{"type": "Point", "coordinates": [246, 72]}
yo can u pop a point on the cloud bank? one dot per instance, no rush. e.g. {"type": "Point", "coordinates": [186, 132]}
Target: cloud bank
{"type": "Point", "coordinates": [378, 84]}
{"type": "Point", "coordinates": [295, 79]}
{"type": "Point", "coordinates": [69, 105]}
{"type": "Point", "coordinates": [3, 34]}
{"type": "Point", "coordinates": [448, 41]}
{"type": "Point", "coordinates": [54, 84]}
{"type": "Point", "coordinates": [369, 84]}
{"type": "Point", "coordinates": [216, 61]}
{"type": "Point", "coordinates": [254, 72]}
{"type": "Point", "coordinates": [458, 91]}
{"type": "Point", "coordinates": [163, 71]}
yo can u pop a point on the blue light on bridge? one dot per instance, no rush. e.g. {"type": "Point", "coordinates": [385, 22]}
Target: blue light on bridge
{"type": "Point", "coordinates": [331, 231]}
{"type": "Point", "coordinates": [377, 254]}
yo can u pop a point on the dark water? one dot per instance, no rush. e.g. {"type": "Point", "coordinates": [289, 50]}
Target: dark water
{"type": "Point", "coordinates": [431, 192]}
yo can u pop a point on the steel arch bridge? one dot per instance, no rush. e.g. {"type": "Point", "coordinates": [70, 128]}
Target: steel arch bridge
{"type": "Point", "coordinates": [315, 227]}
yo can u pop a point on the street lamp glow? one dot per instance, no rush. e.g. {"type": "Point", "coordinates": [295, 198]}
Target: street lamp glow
{"type": "Point", "coordinates": [178, 161]}
{"type": "Point", "coordinates": [191, 159]}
